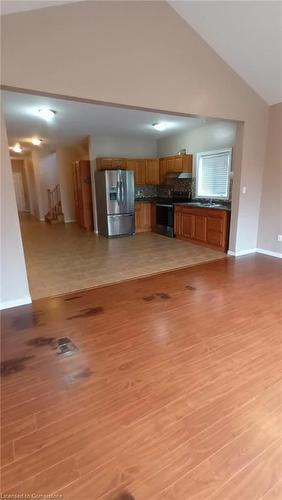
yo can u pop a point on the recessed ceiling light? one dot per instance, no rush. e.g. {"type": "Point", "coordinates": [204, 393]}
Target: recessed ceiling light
{"type": "Point", "coordinates": [160, 126]}
{"type": "Point", "coordinates": [17, 148]}
{"type": "Point", "coordinates": [36, 141]}
{"type": "Point", "coordinates": [46, 114]}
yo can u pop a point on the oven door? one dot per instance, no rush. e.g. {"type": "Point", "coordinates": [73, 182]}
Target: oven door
{"type": "Point", "coordinates": [164, 219]}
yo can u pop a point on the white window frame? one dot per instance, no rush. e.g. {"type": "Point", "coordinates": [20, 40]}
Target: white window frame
{"type": "Point", "coordinates": [208, 153]}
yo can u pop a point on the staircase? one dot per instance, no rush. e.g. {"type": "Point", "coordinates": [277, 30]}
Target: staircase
{"type": "Point", "coordinates": [55, 214]}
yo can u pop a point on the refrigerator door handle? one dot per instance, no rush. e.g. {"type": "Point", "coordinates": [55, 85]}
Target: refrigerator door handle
{"type": "Point", "coordinates": [118, 192]}
{"type": "Point", "coordinates": [122, 190]}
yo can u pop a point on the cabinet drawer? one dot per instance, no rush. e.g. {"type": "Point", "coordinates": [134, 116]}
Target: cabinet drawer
{"type": "Point", "coordinates": [215, 238]}
{"type": "Point", "coordinates": [215, 224]}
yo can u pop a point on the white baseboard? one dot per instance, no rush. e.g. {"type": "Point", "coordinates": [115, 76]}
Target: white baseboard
{"type": "Point", "coordinates": [69, 220]}
{"type": "Point", "coordinates": [255, 250]}
{"type": "Point", "coordinates": [242, 252]}
{"type": "Point", "coordinates": [269, 252]}
{"type": "Point", "coordinates": [7, 304]}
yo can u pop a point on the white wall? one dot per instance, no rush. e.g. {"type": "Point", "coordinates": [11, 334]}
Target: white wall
{"type": "Point", "coordinates": [216, 135]}
{"type": "Point", "coordinates": [124, 146]}
{"type": "Point", "coordinates": [271, 200]}
{"type": "Point", "coordinates": [145, 55]}
{"type": "Point", "coordinates": [41, 174]}
{"type": "Point", "coordinates": [14, 284]}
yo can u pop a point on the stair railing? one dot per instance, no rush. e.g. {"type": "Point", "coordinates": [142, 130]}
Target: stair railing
{"type": "Point", "coordinates": [54, 199]}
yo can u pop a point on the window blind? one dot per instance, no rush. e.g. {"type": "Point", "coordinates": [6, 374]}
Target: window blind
{"type": "Point", "coordinates": [212, 176]}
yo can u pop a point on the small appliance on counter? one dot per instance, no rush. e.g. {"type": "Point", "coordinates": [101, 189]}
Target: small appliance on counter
{"type": "Point", "coordinates": [115, 202]}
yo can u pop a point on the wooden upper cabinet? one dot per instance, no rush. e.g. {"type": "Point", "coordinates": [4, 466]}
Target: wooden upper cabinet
{"type": "Point", "coordinates": [110, 163]}
{"type": "Point", "coordinates": [187, 163]}
{"type": "Point", "coordinates": [139, 168]}
{"type": "Point", "coordinates": [141, 172]}
{"type": "Point", "coordinates": [152, 171]}
{"type": "Point", "coordinates": [163, 170]}
{"type": "Point", "coordinates": [169, 165]}
{"type": "Point", "coordinates": [148, 170]}
{"type": "Point", "coordinates": [119, 163]}
{"type": "Point", "coordinates": [175, 164]}
{"type": "Point", "coordinates": [131, 165]}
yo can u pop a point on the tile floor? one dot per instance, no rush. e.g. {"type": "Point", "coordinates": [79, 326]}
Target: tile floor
{"type": "Point", "coordinates": [63, 258]}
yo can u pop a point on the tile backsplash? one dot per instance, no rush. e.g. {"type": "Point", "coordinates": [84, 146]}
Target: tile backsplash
{"type": "Point", "coordinates": [183, 186]}
{"type": "Point", "coordinates": [179, 187]}
{"type": "Point", "coordinates": [146, 191]}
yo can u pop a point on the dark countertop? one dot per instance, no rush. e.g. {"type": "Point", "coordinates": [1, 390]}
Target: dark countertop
{"type": "Point", "coordinates": [215, 206]}
{"type": "Point", "coordinates": [170, 201]}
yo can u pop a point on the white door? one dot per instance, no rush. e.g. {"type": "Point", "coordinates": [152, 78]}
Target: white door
{"type": "Point", "coordinates": [19, 190]}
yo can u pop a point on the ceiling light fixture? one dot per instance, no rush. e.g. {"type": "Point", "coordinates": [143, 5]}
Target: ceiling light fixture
{"type": "Point", "coordinates": [160, 126]}
{"type": "Point", "coordinates": [17, 148]}
{"type": "Point", "coordinates": [46, 114]}
{"type": "Point", "coordinates": [36, 141]}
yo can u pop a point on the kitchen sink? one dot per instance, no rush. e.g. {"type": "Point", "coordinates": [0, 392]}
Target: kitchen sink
{"type": "Point", "coordinates": [210, 204]}
{"type": "Point", "coordinates": [200, 204]}
{"type": "Point", "coordinates": [203, 204]}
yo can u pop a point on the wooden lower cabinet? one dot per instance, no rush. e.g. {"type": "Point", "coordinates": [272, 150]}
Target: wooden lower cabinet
{"type": "Point", "coordinates": [153, 216]}
{"type": "Point", "coordinates": [209, 227]}
{"type": "Point", "coordinates": [143, 217]}
{"type": "Point", "coordinates": [186, 225]}
{"type": "Point", "coordinates": [200, 227]}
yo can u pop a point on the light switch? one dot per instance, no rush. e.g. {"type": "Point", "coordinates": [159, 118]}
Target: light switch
{"type": "Point", "coordinates": [244, 190]}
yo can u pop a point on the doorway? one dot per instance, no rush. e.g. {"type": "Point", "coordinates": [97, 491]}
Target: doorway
{"type": "Point", "coordinates": [20, 184]}
{"type": "Point", "coordinates": [19, 191]}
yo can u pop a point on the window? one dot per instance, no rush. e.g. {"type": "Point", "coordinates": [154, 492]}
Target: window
{"type": "Point", "coordinates": [213, 174]}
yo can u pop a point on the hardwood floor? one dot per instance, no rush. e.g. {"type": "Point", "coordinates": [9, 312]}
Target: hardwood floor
{"type": "Point", "coordinates": [174, 391]}
{"type": "Point", "coordinates": [64, 257]}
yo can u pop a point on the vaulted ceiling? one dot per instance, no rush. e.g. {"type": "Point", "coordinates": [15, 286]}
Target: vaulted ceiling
{"type": "Point", "coordinates": [246, 34]}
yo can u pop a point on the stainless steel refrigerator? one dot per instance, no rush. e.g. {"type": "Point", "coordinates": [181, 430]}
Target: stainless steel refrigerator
{"type": "Point", "coordinates": [115, 202]}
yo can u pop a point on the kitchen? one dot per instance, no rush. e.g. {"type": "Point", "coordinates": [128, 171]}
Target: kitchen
{"type": "Point", "coordinates": [180, 202]}
{"type": "Point", "coordinates": [163, 193]}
